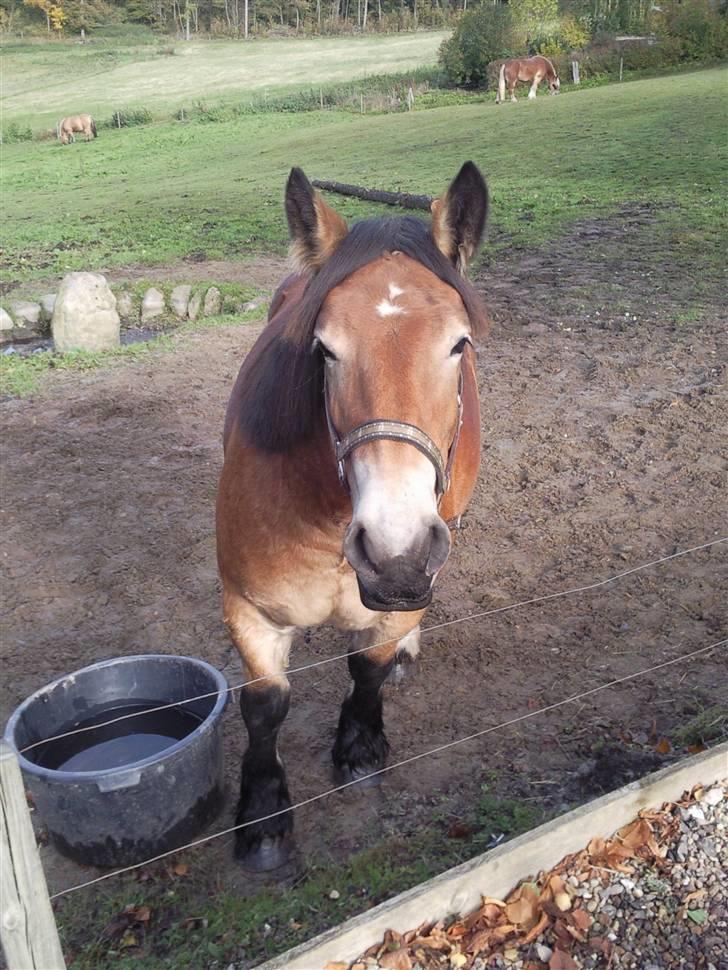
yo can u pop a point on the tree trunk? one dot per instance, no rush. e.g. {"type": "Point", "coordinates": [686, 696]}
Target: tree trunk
{"type": "Point", "coordinates": [403, 199]}
{"type": "Point", "coordinates": [366, 14]}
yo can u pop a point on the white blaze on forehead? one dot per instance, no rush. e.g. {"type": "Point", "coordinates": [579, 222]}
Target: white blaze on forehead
{"type": "Point", "coordinates": [386, 308]}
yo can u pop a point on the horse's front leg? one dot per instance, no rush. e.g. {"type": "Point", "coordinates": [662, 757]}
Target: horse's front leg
{"type": "Point", "coordinates": [261, 845]}
{"type": "Point", "coordinates": [361, 745]}
{"type": "Point", "coordinates": [534, 87]}
{"type": "Point", "coordinates": [512, 89]}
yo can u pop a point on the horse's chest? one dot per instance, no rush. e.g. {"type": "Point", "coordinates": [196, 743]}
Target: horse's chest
{"type": "Point", "coordinates": [314, 591]}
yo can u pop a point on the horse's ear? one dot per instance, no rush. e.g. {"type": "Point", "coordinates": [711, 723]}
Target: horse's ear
{"type": "Point", "coordinates": [458, 216]}
{"type": "Point", "coordinates": [316, 230]}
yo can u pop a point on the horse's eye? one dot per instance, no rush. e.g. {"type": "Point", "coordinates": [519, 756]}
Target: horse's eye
{"type": "Point", "coordinates": [325, 352]}
{"type": "Point", "coordinates": [460, 346]}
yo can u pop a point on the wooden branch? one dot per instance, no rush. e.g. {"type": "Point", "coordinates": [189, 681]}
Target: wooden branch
{"type": "Point", "coordinates": [403, 199]}
{"type": "Point", "coordinates": [27, 925]}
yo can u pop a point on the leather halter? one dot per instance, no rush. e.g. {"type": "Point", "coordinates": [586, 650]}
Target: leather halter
{"type": "Point", "coordinates": [384, 430]}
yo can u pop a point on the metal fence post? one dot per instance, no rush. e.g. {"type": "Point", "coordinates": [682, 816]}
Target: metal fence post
{"type": "Point", "coordinates": [27, 925]}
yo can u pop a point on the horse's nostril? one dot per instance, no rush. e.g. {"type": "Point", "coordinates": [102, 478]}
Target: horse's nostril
{"type": "Point", "coordinates": [439, 547]}
{"type": "Point", "coordinates": [356, 551]}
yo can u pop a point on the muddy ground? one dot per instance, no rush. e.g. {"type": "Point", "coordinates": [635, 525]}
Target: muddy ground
{"type": "Point", "coordinates": [605, 411]}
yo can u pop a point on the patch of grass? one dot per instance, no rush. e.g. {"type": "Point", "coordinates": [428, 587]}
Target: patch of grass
{"type": "Point", "coordinates": [42, 82]}
{"type": "Point", "coordinates": [195, 922]}
{"type": "Point", "coordinates": [23, 375]}
{"type": "Point", "coordinates": [505, 816]}
{"type": "Point", "coordinates": [706, 727]}
{"type": "Point", "coordinates": [158, 193]}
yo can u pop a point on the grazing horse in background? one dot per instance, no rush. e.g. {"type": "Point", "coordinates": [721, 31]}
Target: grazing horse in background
{"type": "Point", "coordinates": [68, 126]}
{"type": "Point", "coordinates": [529, 70]}
{"type": "Point", "coordinates": [352, 438]}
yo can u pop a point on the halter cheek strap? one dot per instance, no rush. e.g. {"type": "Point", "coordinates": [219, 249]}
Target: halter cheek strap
{"type": "Point", "coordinates": [410, 434]}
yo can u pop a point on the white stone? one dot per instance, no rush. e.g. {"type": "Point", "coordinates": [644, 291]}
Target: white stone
{"type": "Point", "coordinates": [25, 314]}
{"type": "Point", "coordinates": [255, 304]}
{"type": "Point", "coordinates": [125, 305]}
{"type": "Point", "coordinates": [713, 796]}
{"type": "Point", "coordinates": [179, 299]}
{"type": "Point", "coordinates": [152, 304]}
{"type": "Point", "coordinates": [6, 321]}
{"type": "Point", "coordinates": [84, 316]}
{"type": "Point", "coordinates": [213, 303]}
{"type": "Point", "coordinates": [47, 305]}
{"type": "Point", "coordinates": [193, 307]}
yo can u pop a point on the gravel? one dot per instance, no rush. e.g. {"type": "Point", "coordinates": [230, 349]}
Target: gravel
{"type": "Point", "coordinates": [665, 907]}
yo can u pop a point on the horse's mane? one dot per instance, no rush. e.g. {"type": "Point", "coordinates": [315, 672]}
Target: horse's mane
{"type": "Point", "coordinates": [281, 397]}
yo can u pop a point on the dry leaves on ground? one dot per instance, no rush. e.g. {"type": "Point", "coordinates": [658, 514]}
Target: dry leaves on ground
{"type": "Point", "coordinates": [547, 904]}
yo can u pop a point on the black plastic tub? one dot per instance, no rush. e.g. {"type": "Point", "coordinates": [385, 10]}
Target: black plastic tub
{"type": "Point", "coordinates": [122, 792]}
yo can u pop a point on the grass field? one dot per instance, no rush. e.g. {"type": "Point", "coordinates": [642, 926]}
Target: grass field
{"type": "Point", "coordinates": [158, 193]}
{"type": "Point", "coordinates": [43, 82]}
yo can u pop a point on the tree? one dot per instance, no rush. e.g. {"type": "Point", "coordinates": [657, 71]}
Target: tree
{"type": "Point", "coordinates": [483, 35]}
{"type": "Point", "coordinates": [537, 17]}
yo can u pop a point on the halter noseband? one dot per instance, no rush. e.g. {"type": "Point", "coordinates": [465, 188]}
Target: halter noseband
{"type": "Point", "coordinates": [383, 430]}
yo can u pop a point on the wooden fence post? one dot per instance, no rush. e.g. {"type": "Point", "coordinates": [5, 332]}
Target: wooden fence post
{"type": "Point", "coordinates": [621, 67]}
{"type": "Point", "coordinates": [575, 71]}
{"type": "Point", "coordinates": [27, 925]}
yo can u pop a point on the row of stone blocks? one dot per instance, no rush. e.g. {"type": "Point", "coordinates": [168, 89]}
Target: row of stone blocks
{"type": "Point", "coordinates": [85, 314]}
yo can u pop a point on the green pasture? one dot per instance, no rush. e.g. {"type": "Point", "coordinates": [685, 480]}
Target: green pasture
{"type": "Point", "coordinates": [42, 82]}
{"type": "Point", "coordinates": [157, 193]}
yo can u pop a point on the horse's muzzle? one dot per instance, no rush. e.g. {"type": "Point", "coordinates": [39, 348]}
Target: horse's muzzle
{"type": "Point", "coordinates": [386, 600]}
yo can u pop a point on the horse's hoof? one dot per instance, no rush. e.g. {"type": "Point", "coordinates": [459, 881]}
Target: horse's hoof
{"type": "Point", "coordinates": [270, 853]}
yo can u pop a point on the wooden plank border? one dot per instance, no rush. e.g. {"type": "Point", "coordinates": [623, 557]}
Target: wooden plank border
{"type": "Point", "coordinates": [496, 872]}
{"type": "Point", "coordinates": [27, 924]}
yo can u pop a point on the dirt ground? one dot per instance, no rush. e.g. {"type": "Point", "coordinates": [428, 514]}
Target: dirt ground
{"type": "Point", "coordinates": [605, 446]}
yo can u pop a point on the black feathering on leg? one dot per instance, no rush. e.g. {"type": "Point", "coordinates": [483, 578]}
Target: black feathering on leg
{"type": "Point", "coordinates": [264, 844]}
{"type": "Point", "coordinates": [361, 746]}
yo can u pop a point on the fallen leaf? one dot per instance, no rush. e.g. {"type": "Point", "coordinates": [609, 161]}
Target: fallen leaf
{"type": "Point", "coordinates": [696, 748]}
{"type": "Point", "coordinates": [563, 901]}
{"type": "Point", "coordinates": [537, 929]}
{"type": "Point", "coordinates": [522, 912]}
{"type": "Point", "coordinates": [636, 834]}
{"type": "Point", "coordinates": [663, 746]}
{"type": "Point", "coordinates": [128, 940]}
{"type": "Point", "coordinates": [691, 897]}
{"type": "Point", "coordinates": [196, 923]}
{"type": "Point", "coordinates": [395, 960]}
{"type": "Point", "coordinates": [458, 960]}
{"type": "Point", "coordinates": [336, 965]}
{"type": "Point", "coordinates": [698, 916]}
{"type": "Point", "coordinates": [561, 961]}
{"type": "Point", "coordinates": [180, 869]}
{"type": "Point", "coordinates": [581, 919]}
{"type": "Point", "coordinates": [459, 830]}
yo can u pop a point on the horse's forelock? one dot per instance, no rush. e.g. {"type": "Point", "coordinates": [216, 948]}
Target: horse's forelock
{"type": "Point", "coordinates": [281, 401]}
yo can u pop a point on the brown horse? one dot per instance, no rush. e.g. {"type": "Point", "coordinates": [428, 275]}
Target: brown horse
{"type": "Point", "coordinates": [352, 437]}
{"type": "Point", "coordinates": [529, 70]}
{"type": "Point", "coordinates": [68, 126]}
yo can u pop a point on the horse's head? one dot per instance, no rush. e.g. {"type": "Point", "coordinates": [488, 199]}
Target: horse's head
{"type": "Point", "coordinates": [394, 321]}
{"type": "Point", "coordinates": [554, 83]}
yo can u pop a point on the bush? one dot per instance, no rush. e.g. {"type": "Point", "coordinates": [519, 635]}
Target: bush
{"type": "Point", "coordinates": [483, 35]}
{"type": "Point", "coordinates": [15, 133]}
{"type": "Point", "coordinates": [129, 118]}
{"type": "Point", "coordinates": [698, 31]}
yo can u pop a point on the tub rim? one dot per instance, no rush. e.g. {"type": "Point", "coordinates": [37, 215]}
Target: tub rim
{"type": "Point", "coordinates": [221, 688]}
